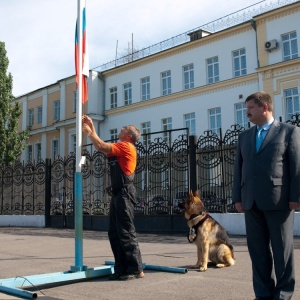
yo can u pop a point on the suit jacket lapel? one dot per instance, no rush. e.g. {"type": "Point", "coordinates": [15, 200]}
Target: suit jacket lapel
{"type": "Point", "coordinates": [273, 130]}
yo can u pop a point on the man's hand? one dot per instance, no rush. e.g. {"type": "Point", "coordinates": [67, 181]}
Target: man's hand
{"type": "Point", "coordinates": [87, 125]}
{"type": "Point", "coordinates": [294, 205]}
{"type": "Point", "coordinates": [238, 206]}
{"type": "Point", "coordinates": [89, 129]}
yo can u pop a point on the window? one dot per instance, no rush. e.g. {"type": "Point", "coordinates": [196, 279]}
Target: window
{"type": "Point", "coordinates": [29, 152]}
{"type": "Point", "coordinates": [55, 149]}
{"type": "Point", "coordinates": [73, 143]}
{"type": "Point", "coordinates": [188, 77]}
{"type": "Point", "coordinates": [290, 47]}
{"type": "Point", "coordinates": [74, 102]}
{"type": "Point", "coordinates": [292, 102]}
{"type": "Point", "coordinates": [30, 117]}
{"type": "Point", "coordinates": [166, 125]}
{"type": "Point", "coordinates": [146, 128]}
{"type": "Point", "coordinates": [165, 179]}
{"type": "Point", "coordinates": [113, 97]}
{"type": "Point", "coordinates": [212, 69]}
{"type": "Point", "coordinates": [241, 114]}
{"type": "Point", "coordinates": [127, 93]}
{"type": "Point", "coordinates": [166, 83]}
{"type": "Point", "coordinates": [190, 122]}
{"type": "Point", "coordinates": [239, 62]}
{"type": "Point", "coordinates": [38, 152]}
{"type": "Point", "coordinates": [215, 120]}
{"type": "Point", "coordinates": [113, 134]}
{"type": "Point", "coordinates": [40, 114]}
{"type": "Point", "coordinates": [145, 88]}
{"type": "Point", "coordinates": [56, 110]}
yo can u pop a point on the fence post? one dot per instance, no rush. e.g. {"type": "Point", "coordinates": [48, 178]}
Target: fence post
{"type": "Point", "coordinates": [222, 161]}
{"type": "Point", "coordinates": [192, 163]}
{"type": "Point", "coordinates": [48, 193]}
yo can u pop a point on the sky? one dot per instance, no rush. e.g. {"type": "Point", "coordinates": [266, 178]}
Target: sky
{"type": "Point", "coordinates": [39, 34]}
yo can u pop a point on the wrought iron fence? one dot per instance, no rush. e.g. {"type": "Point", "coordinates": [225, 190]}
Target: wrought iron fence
{"type": "Point", "coordinates": [215, 160]}
{"type": "Point", "coordinates": [170, 163]}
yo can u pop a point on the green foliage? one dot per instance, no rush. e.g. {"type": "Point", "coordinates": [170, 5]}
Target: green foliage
{"type": "Point", "coordinates": [11, 141]}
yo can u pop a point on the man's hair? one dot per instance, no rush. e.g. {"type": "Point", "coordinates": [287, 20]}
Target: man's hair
{"type": "Point", "coordinates": [135, 133]}
{"type": "Point", "coordinates": [260, 98]}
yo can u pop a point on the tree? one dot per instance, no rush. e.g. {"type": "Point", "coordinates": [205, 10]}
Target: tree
{"type": "Point", "coordinates": [11, 140]}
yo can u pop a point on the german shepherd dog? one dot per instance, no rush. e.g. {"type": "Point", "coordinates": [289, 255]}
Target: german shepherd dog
{"type": "Point", "coordinates": [209, 236]}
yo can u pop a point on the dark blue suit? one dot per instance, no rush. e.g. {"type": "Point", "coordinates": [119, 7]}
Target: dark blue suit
{"type": "Point", "coordinates": [265, 182]}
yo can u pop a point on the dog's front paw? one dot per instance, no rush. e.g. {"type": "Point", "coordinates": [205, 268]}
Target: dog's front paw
{"type": "Point", "coordinates": [203, 268]}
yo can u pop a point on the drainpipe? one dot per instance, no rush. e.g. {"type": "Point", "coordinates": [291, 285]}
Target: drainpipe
{"type": "Point", "coordinates": [253, 24]}
{"type": "Point", "coordinates": [101, 77]}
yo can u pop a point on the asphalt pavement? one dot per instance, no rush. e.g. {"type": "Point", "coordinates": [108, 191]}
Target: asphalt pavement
{"type": "Point", "coordinates": [37, 251]}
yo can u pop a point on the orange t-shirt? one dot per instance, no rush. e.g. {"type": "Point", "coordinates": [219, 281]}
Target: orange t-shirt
{"type": "Point", "coordinates": [126, 155]}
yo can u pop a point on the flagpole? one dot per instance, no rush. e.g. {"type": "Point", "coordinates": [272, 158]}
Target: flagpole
{"type": "Point", "coordinates": [78, 215]}
{"type": "Point", "coordinates": [77, 272]}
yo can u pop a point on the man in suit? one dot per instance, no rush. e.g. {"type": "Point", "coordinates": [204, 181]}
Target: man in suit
{"type": "Point", "coordinates": [267, 189]}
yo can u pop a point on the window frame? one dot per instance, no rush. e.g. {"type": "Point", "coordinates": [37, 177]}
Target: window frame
{"type": "Point", "coordinates": [190, 122]}
{"type": "Point", "coordinates": [127, 93]}
{"type": "Point", "coordinates": [56, 110]}
{"type": "Point", "coordinates": [30, 117]}
{"type": "Point", "coordinates": [166, 124]}
{"type": "Point", "coordinates": [212, 66]}
{"type": "Point", "coordinates": [29, 152]}
{"type": "Point", "coordinates": [188, 76]}
{"type": "Point", "coordinates": [215, 119]}
{"type": "Point", "coordinates": [146, 128]}
{"type": "Point", "coordinates": [113, 93]}
{"type": "Point", "coordinates": [40, 115]}
{"type": "Point", "coordinates": [288, 44]}
{"type": "Point", "coordinates": [239, 62]}
{"type": "Point", "coordinates": [145, 88]}
{"type": "Point", "coordinates": [38, 152]}
{"type": "Point", "coordinates": [75, 102]}
{"type": "Point", "coordinates": [54, 148]}
{"type": "Point", "coordinates": [113, 134]}
{"type": "Point", "coordinates": [240, 111]}
{"type": "Point", "coordinates": [166, 83]}
{"type": "Point", "coordinates": [294, 100]}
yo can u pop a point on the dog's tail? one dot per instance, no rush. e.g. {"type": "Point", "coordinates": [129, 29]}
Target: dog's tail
{"type": "Point", "coordinates": [232, 254]}
{"type": "Point", "coordinates": [231, 249]}
{"type": "Point", "coordinates": [225, 255]}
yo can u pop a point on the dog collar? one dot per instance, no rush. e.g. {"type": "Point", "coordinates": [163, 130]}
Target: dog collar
{"type": "Point", "coordinates": [194, 222]}
{"type": "Point", "coordinates": [197, 220]}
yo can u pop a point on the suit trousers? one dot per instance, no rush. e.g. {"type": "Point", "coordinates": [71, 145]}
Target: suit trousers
{"type": "Point", "coordinates": [270, 243]}
{"type": "Point", "coordinates": [122, 233]}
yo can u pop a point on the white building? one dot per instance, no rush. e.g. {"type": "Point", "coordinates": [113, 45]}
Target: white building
{"type": "Point", "coordinates": [201, 84]}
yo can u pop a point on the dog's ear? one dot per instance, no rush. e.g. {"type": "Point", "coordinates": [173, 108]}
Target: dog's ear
{"type": "Point", "coordinates": [194, 194]}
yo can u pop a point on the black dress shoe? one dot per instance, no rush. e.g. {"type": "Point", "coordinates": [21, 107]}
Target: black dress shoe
{"type": "Point", "coordinates": [115, 276]}
{"type": "Point", "coordinates": [264, 298]}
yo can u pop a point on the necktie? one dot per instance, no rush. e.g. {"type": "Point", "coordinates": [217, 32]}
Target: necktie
{"type": "Point", "coordinates": [259, 138]}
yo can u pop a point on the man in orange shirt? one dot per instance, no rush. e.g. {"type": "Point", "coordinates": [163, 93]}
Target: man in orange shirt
{"type": "Point", "coordinates": [122, 158]}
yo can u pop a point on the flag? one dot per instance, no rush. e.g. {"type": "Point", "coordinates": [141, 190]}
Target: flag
{"type": "Point", "coordinates": [85, 59]}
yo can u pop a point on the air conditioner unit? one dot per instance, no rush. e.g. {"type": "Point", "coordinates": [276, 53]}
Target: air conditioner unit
{"type": "Point", "coordinates": [270, 45]}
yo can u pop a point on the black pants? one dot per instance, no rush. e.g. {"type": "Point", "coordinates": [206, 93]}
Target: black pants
{"type": "Point", "coordinates": [270, 244]}
{"type": "Point", "coordinates": [122, 234]}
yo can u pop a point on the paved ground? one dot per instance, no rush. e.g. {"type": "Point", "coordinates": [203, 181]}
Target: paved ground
{"type": "Point", "coordinates": [34, 251]}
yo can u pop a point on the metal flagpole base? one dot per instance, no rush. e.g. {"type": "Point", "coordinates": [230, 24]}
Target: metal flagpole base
{"type": "Point", "coordinates": [155, 268]}
{"type": "Point", "coordinates": [13, 286]}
